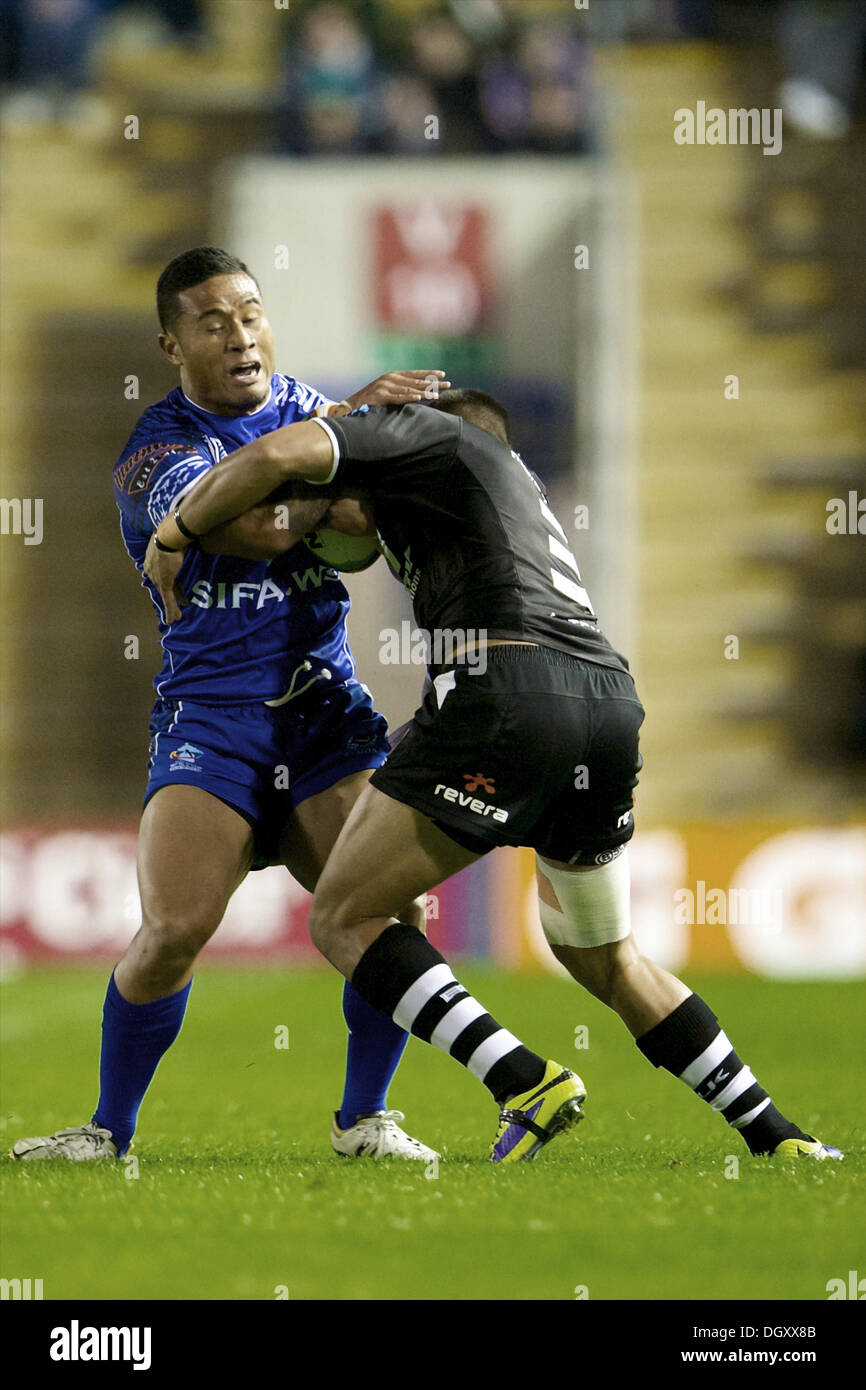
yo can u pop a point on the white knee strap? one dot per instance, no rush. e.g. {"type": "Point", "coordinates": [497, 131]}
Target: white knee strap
{"type": "Point", "coordinates": [595, 904]}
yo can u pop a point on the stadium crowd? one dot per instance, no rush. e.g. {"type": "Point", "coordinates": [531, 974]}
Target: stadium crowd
{"type": "Point", "coordinates": [500, 76]}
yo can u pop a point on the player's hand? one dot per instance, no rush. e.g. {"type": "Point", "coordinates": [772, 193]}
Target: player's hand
{"type": "Point", "coordinates": [352, 515]}
{"type": "Point", "coordinates": [399, 388]}
{"type": "Point", "coordinates": [162, 568]}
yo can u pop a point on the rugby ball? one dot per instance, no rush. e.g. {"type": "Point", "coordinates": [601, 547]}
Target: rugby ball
{"type": "Point", "coordinates": [348, 554]}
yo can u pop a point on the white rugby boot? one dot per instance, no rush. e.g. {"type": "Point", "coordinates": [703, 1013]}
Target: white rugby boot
{"type": "Point", "coordinates": [86, 1142]}
{"type": "Point", "coordinates": [378, 1136]}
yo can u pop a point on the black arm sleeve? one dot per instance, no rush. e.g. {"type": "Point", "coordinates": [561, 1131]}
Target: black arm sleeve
{"type": "Point", "coordinates": [376, 443]}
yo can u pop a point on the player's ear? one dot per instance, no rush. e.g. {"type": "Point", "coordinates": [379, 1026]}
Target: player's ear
{"type": "Point", "coordinates": [171, 347]}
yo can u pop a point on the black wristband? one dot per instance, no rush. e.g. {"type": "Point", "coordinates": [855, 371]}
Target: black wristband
{"type": "Point", "coordinates": [184, 530]}
{"type": "Point", "coordinates": [169, 550]}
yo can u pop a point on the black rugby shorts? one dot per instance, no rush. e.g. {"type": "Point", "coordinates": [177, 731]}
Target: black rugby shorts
{"type": "Point", "coordinates": [539, 750]}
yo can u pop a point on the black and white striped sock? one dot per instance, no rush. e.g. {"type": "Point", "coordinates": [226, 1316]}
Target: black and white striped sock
{"type": "Point", "coordinates": [690, 1044]}
{"type": "Point", "coordinates": [403, 976]}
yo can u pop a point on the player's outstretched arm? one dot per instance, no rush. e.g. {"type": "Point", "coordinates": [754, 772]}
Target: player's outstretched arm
{"type": "Point", "coordinates": [268, 530]}
{"type": "Point", "coordinates": [228, 491]}
{"type": "Point", "coordinates": [251, 474]}
{"type": "Point", "coordinates": [399, 387]}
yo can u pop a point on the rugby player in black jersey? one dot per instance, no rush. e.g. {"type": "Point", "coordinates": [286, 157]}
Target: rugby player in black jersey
{"type": "Point", "coordinates": [536, 744]}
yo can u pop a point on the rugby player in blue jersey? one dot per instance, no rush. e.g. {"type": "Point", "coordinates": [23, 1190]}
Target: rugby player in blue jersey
{"type": "Point", "coordinates": [262, 738]}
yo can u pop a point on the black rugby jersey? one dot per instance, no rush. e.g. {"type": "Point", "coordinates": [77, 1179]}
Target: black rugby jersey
{"type": "Point", "coordinates": [467, 529]}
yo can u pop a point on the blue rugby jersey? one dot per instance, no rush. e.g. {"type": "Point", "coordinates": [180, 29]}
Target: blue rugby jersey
{"type": "Point", "coordinates": [248, 625]}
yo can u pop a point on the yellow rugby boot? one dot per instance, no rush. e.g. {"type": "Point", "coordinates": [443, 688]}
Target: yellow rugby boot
{"type": "Point", "coordinates": [805, 1148]}
{"type": "Point", "coordinates": [530, 1120]}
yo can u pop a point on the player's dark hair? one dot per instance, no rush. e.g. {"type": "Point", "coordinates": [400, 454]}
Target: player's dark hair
{"type": "Point", "coordinates": [187, 270]}
{"type": "Point", "coordinates": [477, 407]}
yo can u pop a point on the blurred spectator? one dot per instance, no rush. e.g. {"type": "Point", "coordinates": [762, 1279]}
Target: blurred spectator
{"type": "Point", "coordinates": [182, 16]}
{"type": "Point", "coordinates": [493, 76]}
{"type": "Point", "coordinates": [332, 85]}
{"type": "Point", "coordinates": [53, 46]}
{"type": "Point", "coordinates": [820, 44]}
{"type": "Point", "coordinates": [48, 48]}
{"type": "Point", "coordinates": [442, 56]}
{"type": "Point", "coordinates": [822, 51]}
{"type": "Point", "coordinates": [10, 40]}
{"type": "Point", "coordinates": [408, 103]}
{"type": "Point", "coordinates": [538, 97]}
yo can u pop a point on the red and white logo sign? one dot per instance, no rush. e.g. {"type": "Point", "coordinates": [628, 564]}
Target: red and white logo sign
{"type": "Point", "coordinates": [430, 269]}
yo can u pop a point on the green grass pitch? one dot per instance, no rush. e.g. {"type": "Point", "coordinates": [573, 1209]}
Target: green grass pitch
{"type": "Point", "coordinates": [239, 1196]}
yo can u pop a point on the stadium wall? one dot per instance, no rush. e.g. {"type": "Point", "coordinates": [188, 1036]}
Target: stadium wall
{"type": "Point", "coordinates": [785, 902]}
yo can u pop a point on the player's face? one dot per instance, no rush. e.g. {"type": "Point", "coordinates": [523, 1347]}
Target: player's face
{"type": "Point", "coordinates": [223, 344]}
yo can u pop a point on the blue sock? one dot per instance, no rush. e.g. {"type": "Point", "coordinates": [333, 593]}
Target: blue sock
{"type": "Point", "coordinates": [134, 1039]}
{"type": "Point", "coordinates": [376, 1044]}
